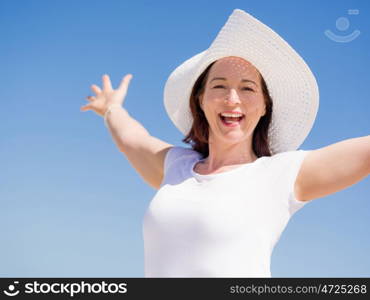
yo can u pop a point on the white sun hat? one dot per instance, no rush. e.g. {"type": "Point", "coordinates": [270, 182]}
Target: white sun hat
{"type": "Point", "coordinates": [291, 84]}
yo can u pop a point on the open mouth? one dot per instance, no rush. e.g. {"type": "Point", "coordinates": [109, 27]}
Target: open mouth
{"type": "Point", "coordinates": [231, 121]}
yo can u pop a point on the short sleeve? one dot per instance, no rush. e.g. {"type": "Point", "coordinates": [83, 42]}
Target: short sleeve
{"type": "Point", "coordinates": [296, 163]}
{"type": "Point", "coordinates": [289, 164]}
{"type": "Point", "coordinates": [171, 156]}
{"type": "Point", "coordinates": [175, 163]}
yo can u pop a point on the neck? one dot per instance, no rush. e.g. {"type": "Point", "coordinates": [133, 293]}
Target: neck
{"type": "Point", "coordinates": [226, 154]}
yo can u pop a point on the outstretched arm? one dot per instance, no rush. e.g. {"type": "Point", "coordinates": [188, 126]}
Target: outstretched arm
{"type": "Point", "coordinates": [145, 152]}
{"type": "Point", "coordinates": [333, 168]}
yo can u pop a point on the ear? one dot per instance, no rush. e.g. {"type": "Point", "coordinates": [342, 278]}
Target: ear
{"type": "Point", "coordinates": [264, 110]}
{"type": "Point", "coordinates": [201, 102]}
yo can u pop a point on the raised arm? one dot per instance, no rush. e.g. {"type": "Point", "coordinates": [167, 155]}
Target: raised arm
{"type": "Point", "coordinates": [144, 152]}
{"type": "Point", "coordinates": [330, 169]}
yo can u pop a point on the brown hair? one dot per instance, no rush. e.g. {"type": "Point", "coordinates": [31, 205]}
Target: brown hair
{"type": "Point", "coordinates": [198, 134]}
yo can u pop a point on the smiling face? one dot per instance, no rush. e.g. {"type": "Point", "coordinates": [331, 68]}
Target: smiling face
{"type": "Point", "coordinates": [233, 84]}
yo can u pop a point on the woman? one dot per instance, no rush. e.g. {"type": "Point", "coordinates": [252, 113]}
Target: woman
{"type": "Point", "coordinates": [245, 105]}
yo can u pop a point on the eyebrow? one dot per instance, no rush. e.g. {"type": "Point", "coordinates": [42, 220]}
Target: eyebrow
{"type": "Point", "coordinates": [243, 80]}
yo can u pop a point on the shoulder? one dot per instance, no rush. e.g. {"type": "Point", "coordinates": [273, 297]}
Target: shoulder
{"type": "Point", "coordinates": [289, 156]}
{"type": "Point", "coordinates": [179, 153]}
{"type": "Point", "coordinates": [286, 164]}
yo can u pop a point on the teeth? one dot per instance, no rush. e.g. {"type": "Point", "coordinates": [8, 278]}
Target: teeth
{"type": "Point", "coordinates": [231, 115]}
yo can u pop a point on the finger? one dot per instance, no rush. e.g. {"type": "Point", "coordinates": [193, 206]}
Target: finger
{"type": "Point", "coordinates": [125, 82]}
{"type": "Point", "coordinates": [96, 89]}
{"type": "Point", "coordinates": [107, 85]}
{"type": "Point", "coordinates": [90, 98]}
{"type": "Point", "coordinates": [84, 108]}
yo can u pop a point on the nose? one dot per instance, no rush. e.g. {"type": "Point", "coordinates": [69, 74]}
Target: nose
{"type": "Point", "coordinates": [232, 96]}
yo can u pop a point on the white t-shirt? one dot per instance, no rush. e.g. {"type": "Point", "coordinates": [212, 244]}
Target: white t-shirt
{"type": "Point", "coordinates": [219, 225]}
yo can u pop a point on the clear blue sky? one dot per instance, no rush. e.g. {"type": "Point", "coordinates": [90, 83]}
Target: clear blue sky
{"type": "Point", "coordinates": [71, 204]}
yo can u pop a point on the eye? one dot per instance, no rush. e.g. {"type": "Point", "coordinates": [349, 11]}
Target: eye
{"type": "Point", "coordinates": [222, 86]}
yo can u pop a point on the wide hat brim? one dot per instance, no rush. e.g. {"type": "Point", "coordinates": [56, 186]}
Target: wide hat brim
{"type": "Point", "coordinates": [291, 84]}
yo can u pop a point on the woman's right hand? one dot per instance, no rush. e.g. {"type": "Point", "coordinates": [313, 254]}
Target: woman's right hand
{"type": "Point", "coordinates": [108, 96]}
